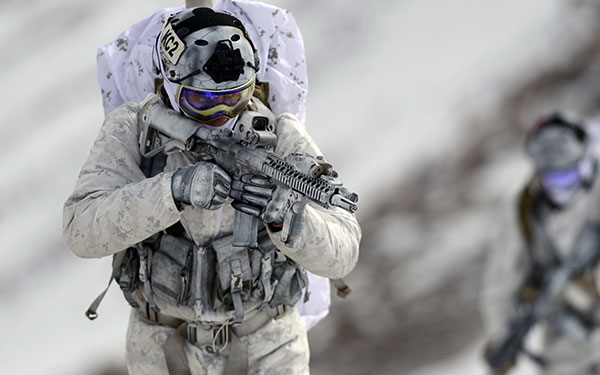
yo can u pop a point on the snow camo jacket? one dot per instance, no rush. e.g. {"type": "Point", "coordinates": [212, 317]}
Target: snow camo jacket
{"type": "Point", "coordinates": [114, 206]}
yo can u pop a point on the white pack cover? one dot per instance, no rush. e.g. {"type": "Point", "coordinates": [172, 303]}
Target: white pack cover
{"type": "Point", "coordinates": [124, 68]}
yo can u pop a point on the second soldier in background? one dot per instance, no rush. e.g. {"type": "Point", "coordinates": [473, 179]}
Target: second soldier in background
{"type": "Point", "coordinates": [544, 269]}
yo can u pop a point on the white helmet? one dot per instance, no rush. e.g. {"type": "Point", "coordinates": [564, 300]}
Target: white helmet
{"type": "Point", "coordinates": [208, 63]}
{"type": "Point", "coordinates": [560, 148]}
{"type": "Point", "coordinates": [557, 142]}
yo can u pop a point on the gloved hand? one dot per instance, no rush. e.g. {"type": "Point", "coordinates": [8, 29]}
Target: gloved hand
{"type": "Point", "coordinates": [202, 185]}
{"type": "Point", "coordinates": [279, 207]}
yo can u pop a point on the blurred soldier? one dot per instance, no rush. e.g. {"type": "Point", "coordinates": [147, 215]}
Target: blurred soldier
{"type": "Point", "coordinates": [545, 267]}
{"type": "Point", "coordinates": [126, 74]}
{"type": "Point", "coordinates": [201, 303]}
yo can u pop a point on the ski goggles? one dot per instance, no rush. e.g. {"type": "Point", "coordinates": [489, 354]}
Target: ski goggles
{"type": "Point", "coordinates": [562, 179]}
{"type": "Point", "coordinates": [203, 105]}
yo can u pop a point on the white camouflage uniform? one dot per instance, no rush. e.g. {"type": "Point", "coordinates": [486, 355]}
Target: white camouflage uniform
{"type": "Point", "coordinates": [507, 269]}
{"type": "Point", "coordinates": [124, 70]}
{"type": "Point", "coordinates": [279, 347]}
{"type": "Point", "coordinates": [114, 206]}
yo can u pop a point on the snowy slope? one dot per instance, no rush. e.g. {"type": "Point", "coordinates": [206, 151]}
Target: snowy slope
{"type": "Point", "coordinates": [399, 99]}
{"type": "Point", "coordinates": [419, 276]}
{"type": "Point", "coordinates": [51, 113]}
{"type": "Point", "coordinates": [390, 87]}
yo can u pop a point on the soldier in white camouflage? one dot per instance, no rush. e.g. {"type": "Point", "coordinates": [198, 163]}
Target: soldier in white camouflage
{"type": "Point", "coordinates": [544, 270]}
{"type": "Point", "coordinates": [200, 304]}
{"type": "Point", "coordinates": [125, 74]}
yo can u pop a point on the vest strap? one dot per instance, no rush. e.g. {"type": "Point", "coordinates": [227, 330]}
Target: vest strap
{"type": "Point", "coordinates": [145, 269]}
{"type": "Point", "coordinates": [174, 350]}
{"type": "Point", "coordinates": [236, 291]}
{"type": "Point", "coordinates": [266, 272]}
{"type": "Point", "coordinates": [92, 311]}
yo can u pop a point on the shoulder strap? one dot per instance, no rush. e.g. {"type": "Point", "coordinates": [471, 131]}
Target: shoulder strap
{"type": "Point", "coordinates": [261, 92]}
{"type": "Point", "coordinates": [525, 212]}
{"type": "Point", "coordinates": [539, 246]}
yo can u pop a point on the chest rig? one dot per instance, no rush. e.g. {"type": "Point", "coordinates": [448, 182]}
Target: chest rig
{"type": "Point", "coordinates": [216, 283]}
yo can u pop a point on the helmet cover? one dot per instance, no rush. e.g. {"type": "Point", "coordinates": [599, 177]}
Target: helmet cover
{"type": "Point", "coordinates": [207, 50]}
{"type": "Point", "coordinates": [209, 64]}
{"type": "Point", "coordinates": [557, 144]}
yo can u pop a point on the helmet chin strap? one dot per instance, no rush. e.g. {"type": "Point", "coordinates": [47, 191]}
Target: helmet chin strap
{"type": "Point", "coordinates": [171, 89]}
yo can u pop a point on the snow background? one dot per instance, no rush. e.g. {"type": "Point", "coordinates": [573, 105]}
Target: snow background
{"type": "Point", "coordinates": [400, 94]}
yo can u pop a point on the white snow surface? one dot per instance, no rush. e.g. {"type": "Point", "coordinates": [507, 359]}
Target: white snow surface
{"type": "Point", "coordinates": [383, 97]}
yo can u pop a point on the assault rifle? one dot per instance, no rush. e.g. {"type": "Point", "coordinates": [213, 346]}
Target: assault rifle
{"type": "Point", "coordinates": [503, 354]}
{"type": "Point", "coordinates": [247, 148]}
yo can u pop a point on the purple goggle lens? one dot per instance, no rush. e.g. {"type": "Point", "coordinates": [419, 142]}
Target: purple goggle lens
{"type": "Point", "coordinates": [561, 179]}
{"type": "Point", "coordinates": [204, 105]}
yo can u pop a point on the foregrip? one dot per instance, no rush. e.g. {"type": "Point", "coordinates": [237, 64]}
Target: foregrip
{"type": "Point", "coordinates": [318, 190]}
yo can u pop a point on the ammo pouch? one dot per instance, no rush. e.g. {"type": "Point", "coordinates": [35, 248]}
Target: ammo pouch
{"type": "Point", "coordinates": [213, 283]}
{"type": "Point", "coordinates": [216, 283]}
{"type": "Point", "coordinates": [171, 269]}
{"type": "Point", "coordinates": [128, 275]}
{"type": "Point", "coordinates": [254, 276]}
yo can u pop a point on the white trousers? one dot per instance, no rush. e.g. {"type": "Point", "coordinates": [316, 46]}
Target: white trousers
{"type": "Point", "coordinates": [280, 347]}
